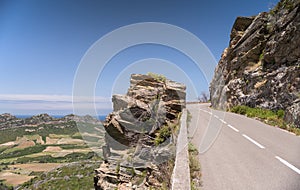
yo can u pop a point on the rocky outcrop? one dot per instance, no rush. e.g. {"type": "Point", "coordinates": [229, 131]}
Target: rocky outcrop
{"type": "Point", "coordinates": [9, 121]}
{"type": "Point", "coordinates": [261, 66]}
{"type": "Point", "coordinates": [140, 134]}
{"type": "Point", "coordinates": [149, 104]}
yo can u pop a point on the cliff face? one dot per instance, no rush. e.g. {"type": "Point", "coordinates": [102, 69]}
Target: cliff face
{"type": "Point", "coordinates": [140, 134]}
{"type": "Point", "coordinates": [261, 66]}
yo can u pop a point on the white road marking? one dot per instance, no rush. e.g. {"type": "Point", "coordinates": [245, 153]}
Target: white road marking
{"type": "Point", "coordinates": [288, 164]}
{"type": "Point", "coordinates": [223, 121]}
{"type": "Point", "coordinates": [253, 141]}
{"type": "Point", "coordinates": [233, 128]}
{"type": "Point", "coordinates": [216, 116]}
{"type": "Point", "coordinates": [206, 111]}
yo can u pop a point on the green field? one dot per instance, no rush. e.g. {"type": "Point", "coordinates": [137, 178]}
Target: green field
{"type": "Point", "coordinates": [48, 143]}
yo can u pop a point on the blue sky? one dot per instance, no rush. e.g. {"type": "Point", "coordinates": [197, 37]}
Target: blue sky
{"type": "Point", "coordinates": [43, 42]}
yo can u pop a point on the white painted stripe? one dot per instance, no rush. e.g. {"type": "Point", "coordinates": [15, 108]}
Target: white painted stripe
{"type": "Point", "coordinates": [223, 121]}
{"type": "Point", "coordinates": [206, 111]}
{"type": "Point", "coordinates": [288, 164]}
{"type": "Point", "coordinates": [233, 128]}
{"type": "Point", "coordinates": [216, 116]}
{"type": "Point", "coordinates": [253, 141]}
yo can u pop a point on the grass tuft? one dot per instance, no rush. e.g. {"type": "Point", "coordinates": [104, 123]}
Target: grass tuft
{"type": "Point", "coordinates": [274, 118]}
{"type": "Point", "coordinates": [157, 77]}
{"type": "Point", "coordinates": [195, 169]}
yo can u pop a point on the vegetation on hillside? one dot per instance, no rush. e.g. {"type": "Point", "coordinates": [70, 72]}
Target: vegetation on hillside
{"type": "Point", "coordinates": [43, 130]}
{"type": "Point", "coordinates": [274, 118]}
{"type": "Point", "coordinates": [3, 186]}
{"type": "Point", "coordinates": [46, 143]}
{"type": "Point", "coordinates": [195, 169]}
{"type": "Point", "coordinates": [75, 176]}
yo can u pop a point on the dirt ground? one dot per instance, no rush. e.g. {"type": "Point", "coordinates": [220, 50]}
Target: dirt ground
{"type": "Point", "coordinates": [37, 167]}
{"type": "Point", "coordinates": [14, 179]}
{"type": "Point", "coordinates": [52, 149]}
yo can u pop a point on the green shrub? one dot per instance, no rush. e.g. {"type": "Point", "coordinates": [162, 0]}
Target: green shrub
{"type": "Point", "coordinates": [274, 118]}
{"type": "Point", "coordinates": [189, 117]}
{"type": "Point", "coordinates": [194, 164]}
{"type": "Point", "coordinates": [294, 130]}
{"type": "Point", "coordinates": [157, 77]}
{"type": "Point", "coordinates": [192, 148]}
{"type": "Point", "coordinates": [79, 174]}
{"type": "Point", "coordinates": [280, 113]}
{"type": "Point", "coordinates": [163, 134]}
{"type": "Point", "coordinates": [239, 109]}
{"type": "Point", "coordinates": [22, 152]}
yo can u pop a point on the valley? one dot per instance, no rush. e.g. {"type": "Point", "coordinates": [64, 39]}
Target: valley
{"type": "Point", "coordinates": [33, 147]}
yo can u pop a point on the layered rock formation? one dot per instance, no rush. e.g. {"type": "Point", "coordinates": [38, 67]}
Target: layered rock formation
{"type": "Point", "coordinates": [261, 66]}
{"type": "Point", "coordinates": [140, 134]}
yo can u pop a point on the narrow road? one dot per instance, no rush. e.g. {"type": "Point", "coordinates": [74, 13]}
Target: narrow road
{"type": "Point", "coordinates": [242, 153]}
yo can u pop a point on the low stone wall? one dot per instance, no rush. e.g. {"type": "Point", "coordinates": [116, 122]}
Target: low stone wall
{"type": "Point", "coordinates": [181, 172]}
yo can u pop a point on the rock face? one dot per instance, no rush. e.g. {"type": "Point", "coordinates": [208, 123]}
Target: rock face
{"type": "Point", "coordinates": [139, 134]}
{"type": "Point", "coordinates": [261, 66]}
{"type": "Point", "coordinates": [149, 104]}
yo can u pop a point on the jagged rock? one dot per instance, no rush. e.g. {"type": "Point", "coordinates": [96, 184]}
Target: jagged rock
{"type": "Point", "coordinates": [148, 105]}
{"type": "Point", "coordinates": [120, 102]}
{"type": "Point", "coordinates": [261, 66]}
{"type": "Point", "coordinates": [151, 103]}
{"type": "Point", "coordinates": [292, 114]}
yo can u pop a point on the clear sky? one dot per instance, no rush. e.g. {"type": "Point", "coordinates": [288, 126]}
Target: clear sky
{"type": "Point", "coordinates": [43, 42]}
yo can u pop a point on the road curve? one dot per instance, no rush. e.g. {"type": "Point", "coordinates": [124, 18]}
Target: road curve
{"type": "Point", "coordinates": [246, 153]}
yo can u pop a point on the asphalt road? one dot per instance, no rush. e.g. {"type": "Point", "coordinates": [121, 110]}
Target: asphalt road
{"type": "Point", "coordinates": [242, 153]}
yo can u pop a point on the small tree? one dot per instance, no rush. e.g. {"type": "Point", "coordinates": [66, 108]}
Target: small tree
{"type": "Point", "coordinates": [204, 97]}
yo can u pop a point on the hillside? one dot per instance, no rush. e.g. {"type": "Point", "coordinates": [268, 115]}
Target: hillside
{"type": "Point", "coordinates": [33, 147]}
{"type": "Point", "coordinates": [261, 66]}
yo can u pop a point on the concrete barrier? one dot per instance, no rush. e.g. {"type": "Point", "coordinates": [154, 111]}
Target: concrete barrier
{"type": "Point", "coordinates": [181, 172]}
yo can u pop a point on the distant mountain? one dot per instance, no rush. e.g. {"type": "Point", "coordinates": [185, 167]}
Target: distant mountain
{"type": "Point", "coordinates": [10, 121]}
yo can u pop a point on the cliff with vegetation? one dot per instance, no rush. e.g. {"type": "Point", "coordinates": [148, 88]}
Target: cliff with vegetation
{"type": "Point", "coordinates": [140, 135]}
{"type": "Point", "coordinates": [261, 66]}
